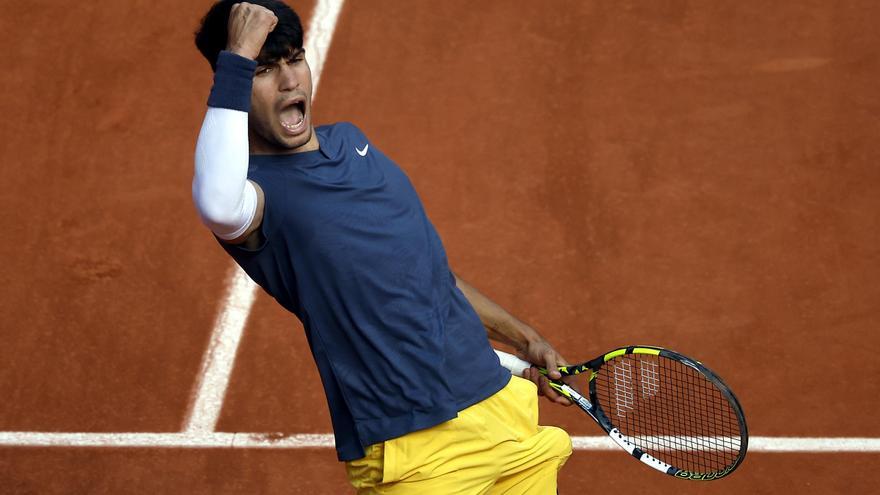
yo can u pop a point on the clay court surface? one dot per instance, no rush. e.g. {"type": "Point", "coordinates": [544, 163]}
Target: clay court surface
{"type": "Point", "coordinates": [698, 175]}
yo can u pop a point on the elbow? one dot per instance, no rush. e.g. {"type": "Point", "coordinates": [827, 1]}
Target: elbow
{"type": "Point", "coordinates": [216, 219]}
{"type": "Point", "coordinates": [217, 215]}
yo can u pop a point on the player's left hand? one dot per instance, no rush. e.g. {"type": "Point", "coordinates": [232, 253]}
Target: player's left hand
{"type": "Point", "coordinates": [541, 352]}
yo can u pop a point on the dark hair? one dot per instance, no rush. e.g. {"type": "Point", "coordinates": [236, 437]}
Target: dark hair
{"type": "Point", "coordinates": [286, 37]}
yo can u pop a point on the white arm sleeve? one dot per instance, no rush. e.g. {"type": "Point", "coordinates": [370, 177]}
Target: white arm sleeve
{"type": "Point", "coordinates": [226, 201]}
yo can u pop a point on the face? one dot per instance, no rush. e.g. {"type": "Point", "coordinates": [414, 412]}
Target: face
{"type": "Point", "coordinates": [280, 120]}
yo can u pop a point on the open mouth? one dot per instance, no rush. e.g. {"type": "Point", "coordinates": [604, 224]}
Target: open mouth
{"type": "Point", "coordinates": [293, 116]}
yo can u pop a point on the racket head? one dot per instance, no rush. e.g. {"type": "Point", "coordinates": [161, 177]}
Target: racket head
{"type": "Point", "coordinates": [670, 407]}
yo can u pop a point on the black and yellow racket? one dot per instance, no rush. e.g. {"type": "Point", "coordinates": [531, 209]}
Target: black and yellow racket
{"type": "Point", "coordinates": [665, 409]}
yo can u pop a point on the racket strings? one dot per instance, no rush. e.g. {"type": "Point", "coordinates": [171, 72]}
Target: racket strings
{"type": "Point", "coordinates": [671, 411]}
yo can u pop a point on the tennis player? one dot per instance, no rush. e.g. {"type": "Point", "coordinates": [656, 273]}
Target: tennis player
{"type": "Point", "coordinates": [332, 229]}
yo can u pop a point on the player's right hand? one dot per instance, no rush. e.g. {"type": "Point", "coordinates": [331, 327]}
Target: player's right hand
{"type": "Point", "coordinates": [541, 352]}
{"type": "Point", "coordinates": [248, 27]}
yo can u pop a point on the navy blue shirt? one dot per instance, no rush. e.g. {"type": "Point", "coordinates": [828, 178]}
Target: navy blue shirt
{"type": "Point", "coordinates": [349, 249]}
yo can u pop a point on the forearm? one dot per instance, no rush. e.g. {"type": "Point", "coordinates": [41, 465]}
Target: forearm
{"type": "Point", "coordinates": [530, 345]}
{"type": "Point", "coordinates": [499, 323]}
{"type": "Point", "coordinates": [226, 201]}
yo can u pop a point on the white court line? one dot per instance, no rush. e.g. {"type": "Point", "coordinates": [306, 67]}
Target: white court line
{"type": "Point", "coordinates": [203, 440]}
{"type": "Point", "coordinates": [317, 40]}
{"type": "Point", "coordinates": [218, 361]}
{"type": "Point", "coordinates": [217, 364]}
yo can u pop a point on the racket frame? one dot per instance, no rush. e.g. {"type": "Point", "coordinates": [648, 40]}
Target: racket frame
{"type": "Point", "coordinates": [593, 408]}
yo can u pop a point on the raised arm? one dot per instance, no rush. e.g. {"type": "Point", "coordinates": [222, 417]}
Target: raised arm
{"type": "Point", "coordinates": [529, 344]}
{"type": "Point", "coordinates": [229, 204]}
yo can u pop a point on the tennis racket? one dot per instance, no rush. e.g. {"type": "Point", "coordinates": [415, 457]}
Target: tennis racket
{"type": "Point", "coordinates": [665, 409]}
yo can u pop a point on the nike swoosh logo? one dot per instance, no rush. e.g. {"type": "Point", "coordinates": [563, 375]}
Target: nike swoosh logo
{"type": "Point", "coordinates": [363, 152]}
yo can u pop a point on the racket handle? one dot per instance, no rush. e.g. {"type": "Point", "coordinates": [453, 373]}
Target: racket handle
{"type": "Point", "coordinates": [513, 363]}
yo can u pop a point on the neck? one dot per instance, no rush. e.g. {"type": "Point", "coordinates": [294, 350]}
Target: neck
{"type": "Point", "coordinates": [260, 146]}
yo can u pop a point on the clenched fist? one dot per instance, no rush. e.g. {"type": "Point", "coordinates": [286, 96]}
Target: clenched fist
{"type": "Point", "coordinates": [249, 25]}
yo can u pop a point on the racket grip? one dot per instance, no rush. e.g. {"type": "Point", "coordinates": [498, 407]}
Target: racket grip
{"type": "Point", "coordinates": [512, 363]}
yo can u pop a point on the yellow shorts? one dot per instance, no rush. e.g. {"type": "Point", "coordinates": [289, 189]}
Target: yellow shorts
{"type": "Point", "coordinates": [492, 447]}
